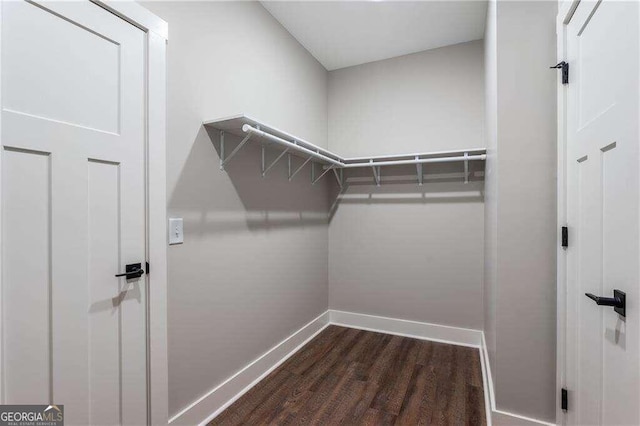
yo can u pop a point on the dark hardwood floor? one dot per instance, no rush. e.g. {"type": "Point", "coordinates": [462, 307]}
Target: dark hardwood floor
{"type": "Point", "coordinates": [355, 377]}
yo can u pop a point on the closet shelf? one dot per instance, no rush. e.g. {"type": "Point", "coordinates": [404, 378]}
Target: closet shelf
{"type": "Point", "coordinates": [247, 128]}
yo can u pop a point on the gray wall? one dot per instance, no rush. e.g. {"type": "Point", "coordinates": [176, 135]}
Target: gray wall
{"type": "Point", "coordinates": [253, 267]}
{"type": "Point", "coordinates": [521, 207]}
{"type": "Point", "coordinates": [403, 250]}
{"type": "Point", "coordinates": [427, 101]}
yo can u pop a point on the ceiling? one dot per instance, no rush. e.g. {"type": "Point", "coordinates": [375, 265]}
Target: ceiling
{"type": "Point", "coordinates": [345, 33]}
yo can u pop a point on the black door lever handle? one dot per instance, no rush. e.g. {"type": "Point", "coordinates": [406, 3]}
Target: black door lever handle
{"type": "Point", "coordinates": [618, 301]}
{"type": "Point", "coordinates": [604, 301]}
{"type": "Point", "coordinates": [133, 270]}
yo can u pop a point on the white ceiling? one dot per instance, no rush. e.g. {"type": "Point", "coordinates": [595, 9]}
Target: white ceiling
{"type": "Point", "coordinates": [345, 33]}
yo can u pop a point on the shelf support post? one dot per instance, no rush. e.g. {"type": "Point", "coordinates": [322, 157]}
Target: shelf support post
{"type": "Point", "coordinates": [299, 168]}
{"type": "Point", "coordinates": [264, 171]}
{"type": "Point", "coordinates": [338, 176]}
{"type": "Point", "coordinates": [221, 149]}
{"type": "Point", "coordinates": [376, 173]}
{"type": "Point", "coordinates": [466, 167]}
{"type": "Point", "coordinates": [322, 174]}
{"type": "Point", "coordinates": [419, 170]}
{"type": "Point", "coordinates": [235, 151]}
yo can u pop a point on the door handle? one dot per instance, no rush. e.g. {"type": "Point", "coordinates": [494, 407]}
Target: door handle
{"type": "Point", "coordinates": [133, 270]}
{"type": "Point", "coordinates": [618, 301]}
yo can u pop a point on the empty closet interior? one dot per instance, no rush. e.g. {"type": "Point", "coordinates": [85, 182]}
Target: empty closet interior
{"type": "Point", "coordinates": [360, 171]}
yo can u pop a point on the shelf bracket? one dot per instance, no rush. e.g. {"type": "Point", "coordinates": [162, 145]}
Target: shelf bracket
{"type": "Point", "coordinates": [265, 170]}
{"type": "Point", "coordinates": [221, 149]}
{"type": "Point", "coordinates": [376, 172]}
{"type": "Point", "coordinates": [224, 161]}
{"type": "Point", "coordinates": [338, 176]}
{"type": "Point", "coordinates": [466, 167]}
{"type": "Point", "coordinates": [291, 175]}
{"type": "Point", "coordinates": [419, 171]}
{"type": "Point", "coordinates": [322, 174]}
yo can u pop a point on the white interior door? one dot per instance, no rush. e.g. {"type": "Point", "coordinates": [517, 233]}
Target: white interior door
{"type": "Point", "coordinates": [73, 211]}
{"type": "Point", "coordinates": [603, 360]}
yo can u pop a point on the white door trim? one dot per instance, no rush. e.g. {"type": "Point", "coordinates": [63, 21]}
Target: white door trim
{"type": "Point", "coordinates": [137, 15]}
{"type": "Point", "coordinates": [157, 35]}
{"type": "Point", "coordinates": [565, 12]}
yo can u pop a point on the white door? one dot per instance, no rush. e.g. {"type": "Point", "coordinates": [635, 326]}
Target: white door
{"type": "Point", "coordinates": [73, 211]}
{"type": "Point", "coordinates": [603, 188]}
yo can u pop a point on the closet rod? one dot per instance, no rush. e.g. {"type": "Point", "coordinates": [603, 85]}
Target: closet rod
{"type": "Point", "coordinates": [341, 164]}
{"type": "Point", "coordinates": [417, 161]}
{"type": "Point", "coordinates": [416, 154]}
{"type": "Point", "coordinates": [294, 147]}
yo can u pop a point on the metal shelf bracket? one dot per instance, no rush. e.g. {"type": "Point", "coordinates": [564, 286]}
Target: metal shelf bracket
{"type": "Point", "coordinates": [224, 161]}
{"type": "Point", "coordinates": [322, 174]}
{"type": "Point", "coordinates": [291, 175]}
{"type": "Point", "coordinates": [221, 149]}
{"type": "Point", "coordinates": [376, 172]}
{"type": "Point", "coordinates": [466, 167]}
{"type": "Point", "coordinates": [265, 170]}
{"type": "Point", "coordinates": [338, 177]}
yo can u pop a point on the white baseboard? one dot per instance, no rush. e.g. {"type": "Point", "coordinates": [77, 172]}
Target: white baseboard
{"type": "Point", "coordinates": [208, 406]}
{"type": "Point", "coordinates": [487, 382]}
{"type": "Point", "coordinates": [502, 418]}
{"type": "Point", "coordinates": [497, 417]}
{"type": "Point", "coordinates": [406, 328]}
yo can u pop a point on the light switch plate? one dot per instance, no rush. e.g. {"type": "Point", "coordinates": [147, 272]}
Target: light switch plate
{"type": "Point", "coordinates": [176, 231]}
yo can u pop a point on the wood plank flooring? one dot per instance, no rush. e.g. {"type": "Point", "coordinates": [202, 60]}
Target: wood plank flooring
{"type": "Point", "coordinates": [354, 377]}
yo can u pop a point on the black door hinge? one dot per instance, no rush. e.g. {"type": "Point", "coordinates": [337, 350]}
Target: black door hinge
{"type": "Point", "coordinates": [565, 236]}
{"type": "Point", "coordinates": [564, 66]}
{"type": "Point", "coordinates": [564, 401]}
{"type": "Point", "coordinates": [147, 269]}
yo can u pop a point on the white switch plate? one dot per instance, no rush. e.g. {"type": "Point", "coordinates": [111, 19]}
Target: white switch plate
{"type": "Point", "coordinates": [176, 231]}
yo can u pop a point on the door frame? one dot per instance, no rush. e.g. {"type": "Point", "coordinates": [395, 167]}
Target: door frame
{"type": "Point", "coordinates": [565, 13]}
{"type": "Point", "coordinates": [157, 35]}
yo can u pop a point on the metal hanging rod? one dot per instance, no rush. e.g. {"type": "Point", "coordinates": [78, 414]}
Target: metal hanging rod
{"type": "Point", "coordinates": [293, 146]}
{"type": "Point", "coordinates": [416, 161]}
{"type": "Point", "coordinates": [417, 154]}
{"type": "Point", "coordinates": [342, 164]}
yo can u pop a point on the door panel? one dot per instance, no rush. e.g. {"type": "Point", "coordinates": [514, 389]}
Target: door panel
{"type": "Point", "coordinates": [73, 212]}
{"type": "Point", "coordinates": [27, 275]}
{"type": "Point", "coordinates": [92, 81]}
{"type": "Point", "coordinates": [603, 187]}
{"type": "Point", "coordinates": [105, 315]}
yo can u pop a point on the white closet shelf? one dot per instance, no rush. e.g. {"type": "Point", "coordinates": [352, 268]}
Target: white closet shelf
{"type": "Point", "coordinates": [247, 127]}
